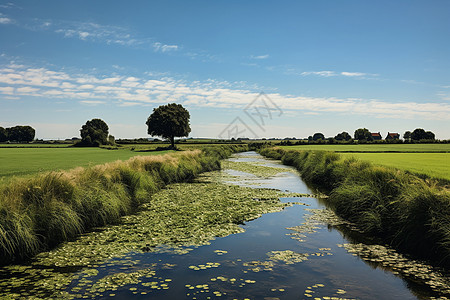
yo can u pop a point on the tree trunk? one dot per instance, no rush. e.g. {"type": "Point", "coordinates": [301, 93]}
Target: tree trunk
{"type": "Point", "coordinates": [172, 141]}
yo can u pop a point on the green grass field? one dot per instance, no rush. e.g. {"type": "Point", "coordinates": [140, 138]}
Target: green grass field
{"type": "Point", "coordinates": [375, 148]}
{"type": "Point", "coordinates": [25, 161]}
{"type": "Point", "coordinates": [432, 164]}
{"type": "Point", "coordinates": [429, 159]}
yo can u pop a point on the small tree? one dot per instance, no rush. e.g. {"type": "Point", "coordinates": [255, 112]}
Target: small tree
{"type": "Point", "coordinates": [407, 135]}
{"type": "Point", "coordinates": [94, 133]}
{"type": "Point", "coordinates": [318, 136]}
{"type": "Point", "coordinates": [363, 134]}
{"type": "Point", "coordinates": [343, 136]}
{"type": "Point", "coordinates": [169, 121]}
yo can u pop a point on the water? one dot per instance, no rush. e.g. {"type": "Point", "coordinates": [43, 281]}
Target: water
{"type": "Point", "coordinates": [239, 266]}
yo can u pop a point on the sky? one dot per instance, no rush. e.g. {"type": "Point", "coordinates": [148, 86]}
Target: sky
{"type": "Point", "coordinates": [257, 69]}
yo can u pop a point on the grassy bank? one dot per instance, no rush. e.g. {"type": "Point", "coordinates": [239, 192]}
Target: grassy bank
{"type": "Point", "coordinates": [39, 212]}
{"type": "Point", "coordinates": [409, 213]}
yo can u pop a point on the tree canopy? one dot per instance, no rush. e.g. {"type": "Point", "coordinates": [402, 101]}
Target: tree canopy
{"type": "Point", "coordinates": [169, 121]}
{"type": "Point", "coordinates": [420, 134]}
{"type": "Point", "coordinates": [318, 136]}
{"type": "Point", "coordinates": [363, 134]}
{"type": "Point", "coordinates": [17, 134]}
{"type": "Point", "coordinates": [343, 136]}
{"type": "Point", "coordinates": [407, 135]}
{"type": "Point", "coordinates": [3, 137]}
{"type": "Point", "coordinates": [94, 133]}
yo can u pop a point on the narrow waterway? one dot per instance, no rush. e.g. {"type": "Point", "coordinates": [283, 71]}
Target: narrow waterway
{"type": "Point", "coordinates": [291, 254]}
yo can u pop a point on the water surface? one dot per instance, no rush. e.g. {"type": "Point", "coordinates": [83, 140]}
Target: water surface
{"type": "Point", "coordinates": [282, 255]}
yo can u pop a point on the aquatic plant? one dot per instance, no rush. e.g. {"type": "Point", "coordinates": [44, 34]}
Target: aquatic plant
{"type": "Point", "coordinates": [408, 212]}
{"type": "Point", "coordinates": [176, 220]}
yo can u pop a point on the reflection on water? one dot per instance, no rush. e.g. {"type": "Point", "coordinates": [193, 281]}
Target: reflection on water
{"type": "Point", "coordinates": [290, 254]}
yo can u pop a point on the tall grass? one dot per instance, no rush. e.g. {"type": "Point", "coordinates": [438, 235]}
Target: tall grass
{"type": "Point", "coordinates": [410, 213]}
{"type": "Point", "coordinates": [38, 213]}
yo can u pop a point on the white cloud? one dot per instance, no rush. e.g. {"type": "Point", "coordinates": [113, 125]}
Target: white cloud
{"type": "Point", "coordinates": [353, 74]}
{"type": "Point", "coordinates": [164, 48]}
{"type": "Point", "coordinates": [9, 5]}
{"type": "Point", "coordinates": [86, 86]}
{"type": "Point", "coordinates": [259, 56]}
{"type": "Point", "coordinates": [320, 73]}
{"type": "Point", "coordinates": [26, 90]}
{"type": "Point", "coordinates": [333, 73]}
{"type": "Point", "coordinates": [83, 35]}
{"type": "Point", "coordinates": [92, 102]}
{"type": "Point", "coordinates": [7, 90]}
{"type": "Point", "coordinates": [122, 90]}
{"type": "Point", "coordinates": [4, 20]}
{"type": "Point", "coordinates": [444, 96]}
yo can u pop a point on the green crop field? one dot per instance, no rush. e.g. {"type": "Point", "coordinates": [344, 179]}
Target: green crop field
{"type": "Point", "coordinates": [432, 164]}
{"type": "Point", "coordinates": [429, 159]}
{"type": "Point", "coordinates": [25, 161]}
{"type": "Point", "coordinates": [375, 148]}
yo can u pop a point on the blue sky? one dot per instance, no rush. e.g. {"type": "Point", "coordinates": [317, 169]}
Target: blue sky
{"type": "Point", "coordinates": [323, 66]}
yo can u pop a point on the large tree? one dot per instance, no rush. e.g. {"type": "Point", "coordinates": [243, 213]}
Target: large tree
{"type": "Point", "coordinates": [94, 133]}
{"type": "Point", "coordinates": [20, 133]}
{"type": "Point", "coordinates": [420, 134]}
{"type": "Point", "coordinates": [363, 134]}
{"type": "Point", "coordinates": [169, 121]}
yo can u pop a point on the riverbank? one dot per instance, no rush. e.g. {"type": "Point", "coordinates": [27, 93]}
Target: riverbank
{"type": "Point", "coordinates": [186, 244]}
{"type": "Point", "coordinates": [407, 212]}
{"type": "Point", "coordinates": [38, 213]}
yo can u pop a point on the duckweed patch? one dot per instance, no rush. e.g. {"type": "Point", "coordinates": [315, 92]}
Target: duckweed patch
{"type": "Point", "coordinates": [206, 266]}
{"type": "Point", "coordinates": [252, 168]}
{"type": "Point", "coordinates": [389, 259]}
{"type": "Point", "coordinates": [314, 221]}
{"type": "Point", "coordinates": [258, 266]}
{"type": "Point", "coordinates": [287, 256]}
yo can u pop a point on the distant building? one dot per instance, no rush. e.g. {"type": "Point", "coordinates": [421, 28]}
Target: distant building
{"type": "Point", "coordinates": [376, 136]}
{"type": "Point", "coordinates": [392, 136]}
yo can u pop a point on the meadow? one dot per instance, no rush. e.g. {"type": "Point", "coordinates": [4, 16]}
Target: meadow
{"type": "Point", "coordinates": [435, 165]}
{"type": "Point", "coordinates": [16, 161]}
{"type": "Point", "coordinates": [432, 160]}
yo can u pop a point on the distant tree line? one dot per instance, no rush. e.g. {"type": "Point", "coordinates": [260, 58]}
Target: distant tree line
{"type": "Point", "coordinates": [17, 134]}
{"type": "Point", "coordinates": [363, 135]}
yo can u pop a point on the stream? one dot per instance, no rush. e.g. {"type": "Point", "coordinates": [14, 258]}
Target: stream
{"type": "Point", "coordinates": [301, 252]}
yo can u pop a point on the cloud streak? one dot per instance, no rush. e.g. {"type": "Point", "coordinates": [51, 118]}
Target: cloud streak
{"type": "Point", "coordinates": [94, 32]}
{"type": "Point", "coordinates": [121, 90]}
{"type": "Point", "coordinates": [259, 56]}
{"type": "Point", "coordinates": [333, 74]}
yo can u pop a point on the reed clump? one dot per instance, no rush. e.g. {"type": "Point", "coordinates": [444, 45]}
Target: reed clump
{"type": "Point", "coordinates": [410, 213]}
{"type": "Point", "coordinates": [38, 213]}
